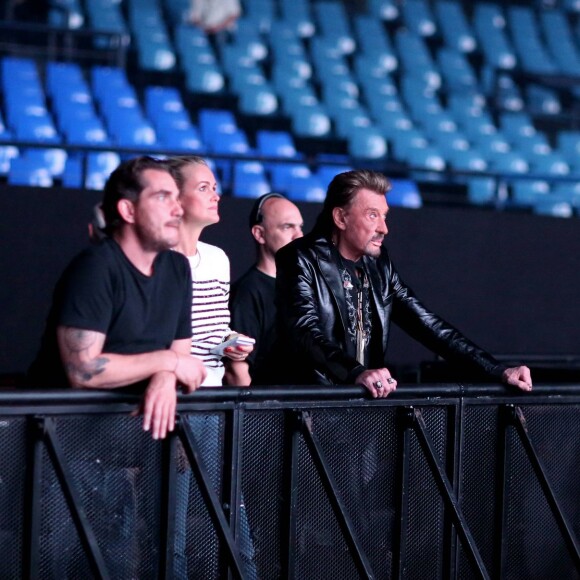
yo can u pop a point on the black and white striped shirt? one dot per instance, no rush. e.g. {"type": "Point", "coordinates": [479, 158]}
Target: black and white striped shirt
{"type": "Point", "coordinates": [210, 316]}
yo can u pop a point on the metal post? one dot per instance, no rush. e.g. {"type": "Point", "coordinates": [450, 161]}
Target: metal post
{"type": "Point", "coordinates": [169, 499]}
{"type": "Point", "coordinates": [565, 528]}
{"type": "Point", "coordinates": [360, 559]}
{"type": "Point", "coordinates": [404, 420]}
{"type": "Point", "coordinates": [86, 534]}
{"type": "Point", "coordinates": [448, 494]}
{"type": "Point", "coordinates": [31, 544]}
{"type": "Point", "coordinates": [211, 500]}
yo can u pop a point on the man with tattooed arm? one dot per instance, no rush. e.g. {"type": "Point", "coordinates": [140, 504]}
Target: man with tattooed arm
{"type": "Point", "coordinates": [121, 312]}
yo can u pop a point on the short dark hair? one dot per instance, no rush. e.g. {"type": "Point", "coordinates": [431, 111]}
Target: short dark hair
{"type": "Point", "coordinates": [126, 182]}
{"type": "Point", "coordinates": [341, 192]}
{"type": "Point", "coordinates": [256, 214]}
{"type": "Point", "coordinates": [181, 161]}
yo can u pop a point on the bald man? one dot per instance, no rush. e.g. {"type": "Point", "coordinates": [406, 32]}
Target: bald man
{"type": "Point", "coordinates": [274, 222]}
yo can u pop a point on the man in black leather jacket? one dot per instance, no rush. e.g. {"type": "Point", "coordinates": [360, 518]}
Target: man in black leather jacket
{"type": "Point", "coordinates": [337, 291]}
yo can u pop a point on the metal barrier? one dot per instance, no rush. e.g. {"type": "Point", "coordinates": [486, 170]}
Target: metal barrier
{"type": "Point", "coordinates": [306, 483]}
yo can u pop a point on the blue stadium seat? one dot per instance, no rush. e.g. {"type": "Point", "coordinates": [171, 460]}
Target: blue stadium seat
{"type": "Point", "coordinates": [387, 10]}
{"type": "Point", "coordinates": [99, 167]}
{"type": "Point", "coordinates": [367, 143]}
{"type": "Point", "coordinates": [306, 189]}
{"type": "Point", "coordinates": [86, 132]}
{"type": "Point", "coordinates": [481, 190]}
{"type": "Point", "coordinates": [54, 160]}
{"type": "Point", "coordinates": [203, 78]}
{"type": "Point", "coordinates": [418, 17]}
{"type": "Point", "coordinates": [151, 39]}
{"type": "Point", "coordinates": [333, 23]}
{"type": "Point", "coordinates": [469, 160]}
{"type": "Point", "coordinates": [249, 179]}
{"type": "Point", "coordinates": [66, 14]}
{"type": "Point", "coordinates": [454, 27]}
{"type": "Point", "coordinates": [72, 175]}
{"type": "Point", "coordinates": [310, 121]}
{"type": "Point", "coordinates": [428, 158]}
{"type": "Point", "coordinates": [282, 173]}
{"type": "Point", "coordinates": [404, 193]}
{"type": "Point", "coordinates": [326, 173]}
{"type": "Point", "coordinates": [275, 144]}
{"type": "Point", "coordinates": [184, 140]}
{"type": "Point", "coordinates": [298, 15]}
{"type": "Point", "coordinates": [560, 40]}
{"type": "Point", "coordinates": [39, 129]}
{"type": "Point", "coordinates": [260, 14]}
{"type": "Point", "coordinates": [406, 141]}
{"type": "Point", "coordinates": [25, 171]}
{"type": "Point", "coordinates": [458, 75]}
{"type": "Point", "coordinates": [415, 58]}
{"type": "Point", "coordinates": [554, 208]}
{"type": "Point", "coordinates": [213, 123]}
{"type": "Point", "coordinates": [542, 100]}
{"type": "Point", "coordinates": [510, 163]}
{"type": "Point", "coordinates": [529, 46]}
{"type": "Point", "coordinates": [550, 164]}
{"type": "Point", "coordinates": [352, 121]}
{"type": "Point", "coordinates": [489, 25]}
{"type": "Point", "coordinates": [7, 154]}
{"type": "Point", "coordinates": [568, 144]}
{"type": "Point", "coordinates": [258, 100]}
{"type": "Point", "coordinates": [231, 143]}
{"type": "Point", "coordinates": [526, 192]}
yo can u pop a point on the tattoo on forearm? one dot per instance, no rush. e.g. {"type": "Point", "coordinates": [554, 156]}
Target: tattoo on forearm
{"type": "Point", "coordinates": [87, 371]}
{"type": "Point", "coordinates": [77, 343]}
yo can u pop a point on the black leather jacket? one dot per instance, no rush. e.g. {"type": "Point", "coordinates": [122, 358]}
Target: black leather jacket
{"type": "Point", "coordinates": [311, 309]}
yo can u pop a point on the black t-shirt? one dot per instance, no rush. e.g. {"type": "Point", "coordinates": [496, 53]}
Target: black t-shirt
{"type": "Point", "coordinates": [101, 290]}
{"type": "Point", "coordinates": [254, 314]}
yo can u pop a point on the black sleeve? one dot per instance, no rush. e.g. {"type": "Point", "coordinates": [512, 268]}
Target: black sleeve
{"type": "Point", "coordinates": [86, 295]}
{"type": "Point", "coordinates": [436, 334]}
{"type": "Point", "coordinates": [247, 315]}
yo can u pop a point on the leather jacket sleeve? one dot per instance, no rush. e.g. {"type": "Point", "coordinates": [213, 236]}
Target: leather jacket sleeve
{"type": "Point", "coordinates": [436, 334]}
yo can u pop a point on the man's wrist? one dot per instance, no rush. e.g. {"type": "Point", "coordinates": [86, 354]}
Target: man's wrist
{"type": "Point", "coordinates": [355, 373]}
{"type": "Point", "coordinates": [172, 363]}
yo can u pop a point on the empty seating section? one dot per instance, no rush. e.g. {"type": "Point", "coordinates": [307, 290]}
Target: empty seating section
{"type": "Point", "coordinates": [431, 85]}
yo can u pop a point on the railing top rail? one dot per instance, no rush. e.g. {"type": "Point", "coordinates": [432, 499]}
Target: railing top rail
{"type": "Point", "coordinates": [12, 397]}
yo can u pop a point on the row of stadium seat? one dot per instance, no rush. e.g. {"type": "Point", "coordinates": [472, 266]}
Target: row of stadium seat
{"type": "Point", "coordinates": [400, 82]}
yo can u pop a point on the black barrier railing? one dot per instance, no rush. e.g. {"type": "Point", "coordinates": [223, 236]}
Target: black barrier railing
{"type": "Point", "coordinates": [446, 481]}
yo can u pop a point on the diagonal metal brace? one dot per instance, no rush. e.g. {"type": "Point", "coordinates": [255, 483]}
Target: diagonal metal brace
{"type": "Point", "coordinates": [88, 539]}
{"type": "Point", "coordinates": [210, 498]}
{"type": "Point", "coordinates": [519, 422]}
{"type": "Point", "coordinates": [447, 492]}
{"type": "Point", "coordinates": [330, 487]}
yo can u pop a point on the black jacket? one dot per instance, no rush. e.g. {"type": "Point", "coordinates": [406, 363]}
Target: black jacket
{"type": "Point", "coordinates": [311, 307]}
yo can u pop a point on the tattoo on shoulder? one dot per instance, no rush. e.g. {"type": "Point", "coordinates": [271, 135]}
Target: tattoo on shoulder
{"type": "Point", "coordinates": [77, 340]}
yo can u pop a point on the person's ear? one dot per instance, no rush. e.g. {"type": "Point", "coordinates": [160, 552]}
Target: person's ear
{"type": "Point", "coordinates": [338, 218]}
{"type": "Point", "coordinates": [126, 210]}
{"type": "Point", "coordinates": [258, 233]}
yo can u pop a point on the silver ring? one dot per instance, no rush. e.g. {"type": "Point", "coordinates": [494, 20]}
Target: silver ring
{"type": "Point", "coordinates": [379, 385]}
{"type": "Point", "coordinates": [390, 381]}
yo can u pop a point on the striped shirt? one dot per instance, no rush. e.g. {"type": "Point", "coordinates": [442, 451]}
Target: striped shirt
{"type": "Point", "coordinates": [210, 316]}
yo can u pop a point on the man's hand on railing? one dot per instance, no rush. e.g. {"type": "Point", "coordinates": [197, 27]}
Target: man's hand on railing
{"type": "Point", "coordinates": [190, 371]}
{"type": "Point", "coordinates": [159, 404]}
{"type": "Point", "coordinates": [377, 381]}
{"type": "Point", "coordinates": [519, 377]}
